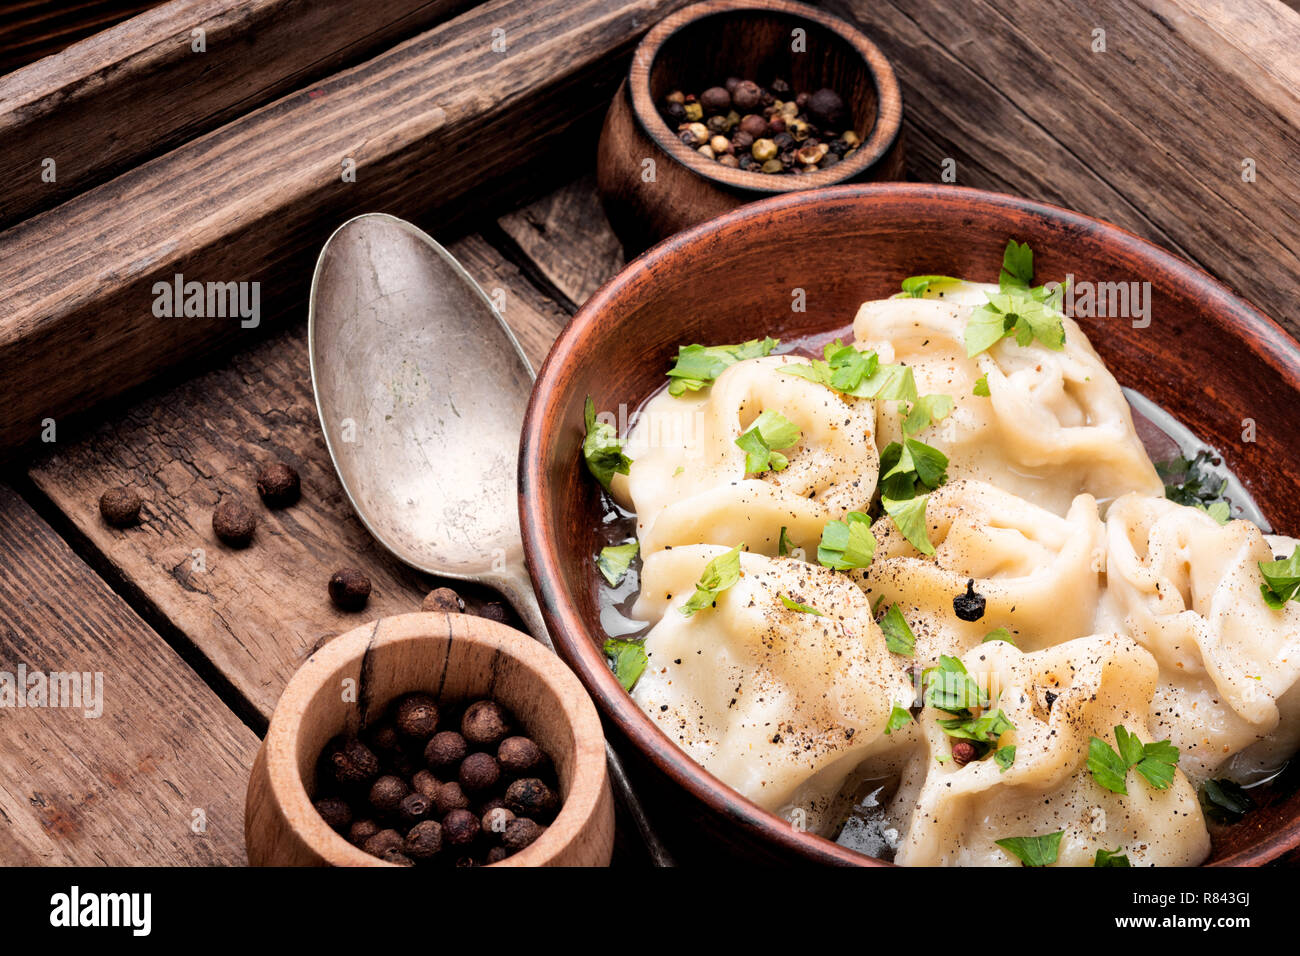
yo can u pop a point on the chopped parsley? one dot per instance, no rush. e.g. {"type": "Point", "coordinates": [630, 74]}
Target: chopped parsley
{"type": "Point", "coordinates": [847, 544]}
{"type": "Point", "coordinates": [628, 660]}
{"type": "Point", "coordinates": [1000, 634]}
{"type": "Point", "coordinates": [918, 286]}
{"type": "Point", "coordinates": [981, 387]}
{"type": "Point", "coordinates": [698, 365]}
{"type": "Point", "coordinates": [1115, 857]}
{"type": "Point", "coordinates": [909, 518]}
{"type": "Point", "coordinates": [985, 729]}
{"type": "Point", "coordinates": [910, 469]}
{"type": "Point", "coordinates": [615, 560]}
{"type": "Point", "coordinates": [1192, 482]}
{"type": "Point", "coordinates": [719, 574]}
{"type": "Point", "coordinates": [1220, 511]}
{"type": "Point", "coordinates": [801, 608]}
{"type": "Point", "coordinates": [1017, 308]}
{"type": "Point", "coordinates": [770, 431]}
{"type": "Point", "coordinates": [926, 410]}
{"type": "Point", "coordinates": [602, 449]}
{"type": "Point", "coordinates": [898, 635]}
{"type": "Point", "coordinates": [1224, 801]}
{"type": "Point", "coordinates": [784, 545]}
{"type": "Point", "coordinates": [949, 687]}
{"type": "Point", "coordinates": [1281, 580]}
{"type": "Point", "coordinates": [1005, 757]}
{"type": "Point", "coordinates": [1154, 762]}
{"type": "Point", "coordinates": [899, 717]}
{"type": "Point", "coordinates": [1034, 850]}
{"type": "Point", "coordinates": [859, 374]}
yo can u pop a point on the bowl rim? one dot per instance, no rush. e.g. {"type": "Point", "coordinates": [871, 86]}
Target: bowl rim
{"type": "Point", "coordinates": [281, 744]}
{"type": "Point", "coordinates": [885, 129]}
{"type": "Point", "coordinates": [572, 637]}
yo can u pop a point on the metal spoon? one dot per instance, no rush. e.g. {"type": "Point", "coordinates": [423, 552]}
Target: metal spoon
{"type": "Point", "coordinates": [421, 389]}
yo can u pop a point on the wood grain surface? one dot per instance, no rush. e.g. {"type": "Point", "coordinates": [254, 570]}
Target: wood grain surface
{"type": "Point", "coordinates": [123, 788]}
{"type": "Point", "coordinates": [84, 107]}
{"type": "Point", "coordinates": [256, 613]}
{"type": "Point", "coordinates": [253, 201]}
{"type": "Point", "coordinates": [1150, 135]}
{"type": "Point", "coordinates": [32, 29]}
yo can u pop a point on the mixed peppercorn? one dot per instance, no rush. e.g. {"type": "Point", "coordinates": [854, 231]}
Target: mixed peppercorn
{"type": "Point", "coordinates": [771, 129]}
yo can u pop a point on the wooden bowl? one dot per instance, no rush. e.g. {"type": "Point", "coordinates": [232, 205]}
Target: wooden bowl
{"type": "Point", "coordinates": [700, 46]}
{"type": "Point", "coordinates": [1208, 357]}
{"type": "Point", "coordinates": [459, 658]}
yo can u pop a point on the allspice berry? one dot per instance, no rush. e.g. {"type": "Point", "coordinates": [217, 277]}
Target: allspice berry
{"type": "Point", "coordinates": [387, 792]}
{"type": "Point", "coordinates": [445, 750]}
{"type": "Point", "coordinates": [485, 723]}
{"type": "Point", "coordinates": [530, 797]}
{"type": "Point", "coordinates": [351, 761]}
{"type": "Point", "coordinates": [479, 772]}
{"type": "Point", "coordinates": [383, 738]}
{"type": "Point", "coordinates": [361, 831]}
{"type": "Point", "coordinates": [497, 854]}
{"type": "Point", "coordinates": [397, 857]}
{"type": "Point", "coordinates": [349, 589]}
{"type": "Point", "coordinates": [746, 96]}
{"type": "Point", "coordinates": [449, 797]}
{"type": "Point", "coordinates": [519, 755]}
{"type": "Point", "coordinates": [414, 808]}
{"type": "Point", "coordinates": [521, 832]}
{"type": "Point", "coordinates": [443, 600]}
{"type": "Point", "coordinates": [336, 812]}
{"type": "Point", "coordinates": [716, 99]}
{"type": "Point", "coordinates": [494, 611]}
{"type": "Point", "coordinates": [424, 840]}
{"type": "Point", "coordinates": [826, 108]}
{"type": "Point", "coordinates": [460, 827]}
{"type": "Point", "coordinates": [425, 783]}
{"type": "Point", "coordinates": [233, 522]}
{"type": "Point", "coordinates": [383, 841]}
{"type": "Point", "coordinates": [963, 752]}
{"type": "Point", "coordinates": [279, 485]}
{"type": "Point", "coordinates": [496, 820]}
{"type": "Point", "coordinates": [120, 507]}
{"type": "Point", "coordinates": [416, 716]}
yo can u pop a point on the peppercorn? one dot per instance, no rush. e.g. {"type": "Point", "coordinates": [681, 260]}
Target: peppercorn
{"type": "Point", "coordinates": [826, 107]}
{"type": "Point", "coordinates": [694, 112]}
{"type": "Point", "coordinates": [746, 161]}
{"type": "Point", "coordinates": [485, 723]}
{"type": "Point", "coordinates": [741, 141]}
{"type": "Point", "coordinates": [424, 840]}
{"type": "Point", "coordinates": [764, 149]}
{"type": "Point", "coordinates": [676, 96]}
{"type": "Point", "coordinates": [783, 141]}
{"type": "Point", "coordinates": [731, 83]}
{"type": "Point", "coordinates": [675, 113]}
{"type": "Point", "coordinates": [496, 820]}
{"type": "Point", "coordinates": [414, 808]}
{"type": "Point", "coordinates": [120, 507]}
{"type": "Point", "coordinates": [811, 155]}
{"type": "Point", "coordinates": [279, 485]}
{"type": "Point", "coordinates": [397, 857]}
{"type": "Point", "coordinates": [716, 124]}
{"type": "Point", "coordinates": [497, 854]}
{"type": "Point", "coordinates": [479, 772]}
{"type": "Point", "coordinates": [780, 87]}
{"type": "Point", "coordinates": [460, 827]}
{"type": "Point", "coordinates": [449, 797]}
{"type": "Point", "coordinates": [776, 125]}
{"type": "Point", "coordinates": [361, 831]}
{"type": "Point", "coordinates": [351, 761]}
{"type": "Point", "coordinates": [233, 522]}
{"type": "Point", "coordinates": [519, 755]}
{"type": "Point", "coordinates": [754, 126]}
{"type": "Point", "coordinates": [963, 752]}
{"type": "Point", "coordinates": [720, 145]}
{"type": "Point", "coordinates": [707, 151]}
{"type": "Point", "coordinates": [801, 100]}
{"type": "Point", "coordinates": [969, 606]}
{"type": "Point", "coordinates": [799, 130]}
{"type": "Point", "coordinates": [445, 749]}
{"type": "Point", "coordinates": [520, 833]}
{"type": "Point", "coordinates": [851, 138]}
{"type": "Point", "coordinates": [443, 600]}
{"type": "Point", "coordinates": [383, 738]}
{"type": "Point", "coordinates": [349, 589]}
{"type": "Point", "coordinates": [416, 716]}
{"type": "Point", "coordinates": [729, 161]}
{"type": "Point", "coordinates": [387, 792]}
{"type": "Point", "coordinates": [382, 841]}
{"type": "Point", "coordinates": [830, 159]}
{"type": "Point", "coordinates": [335, 811]}
{"type": "Point", "coordinates": [746, 96]}
{"type": "Point", "coordinates": [494, 611]}
{"type": "Point", "coordinates": [716, 99]}
{"type": "Point", "coordinates": [773, 166]}
{"type": "Point", "coordinates": [530, 797]}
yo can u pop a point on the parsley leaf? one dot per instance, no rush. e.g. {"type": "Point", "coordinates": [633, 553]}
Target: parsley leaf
{"type": "Point", "coordinates": [1000, 634]}
{"type": "Point", "coordinates": [909, 518]}
{"type": "Point", "coordinates": [1154, 762]}
{"type": "Point", "coordinates": [981, 387]}
{"type": "Point", "coordinates": [1005, 757]}
{"type": "Point", "coordinates": [917, 286]}
{"type": "Point", "coordinates": [847, 544]}
{"type": "Point", "coordinates": [985, 729]}
{"type": "Point", "coordinates": [698, 365]}
{"type": "Point", "coordinates": [784, 545]}
{"type": "Point", "coordinates": [898, 635]}
{"type": "Point", "coordinates": [615, 560]}
{"type": "Point", "coordinates": [629, 661]}
{"type": "Point", "coordinates": [949, 687]}
{"type": "Point", "coordinates": [1115, 857]}
{"type": "Point", "coordinates": [770, 431]}
{"type": "Point", "coordinates": [1218, 510]}
{"type": "Point", "coordinates": [1034, 850]}
{"type": "Point", "coordinates": [802, 608]}
{"type": "Point", "coordinates": [1157, 764]}
{"type": "Point", "coordinates": [1281, 580]}
{"type": "Point", "coordinates": [1017, 266]}
{"type": "Point", "coordinates": [1224, 801]}
{"type": "Point", "coordinates": [1014, 313]}
{"type": "Point", "coordinates": [926, 410]}
{"type": "Point", "coordinates": [898, 717]}
{"type": "Point", "coordinates": [1108, 768]}
{"type": "Point", "coordinates": [719, 574]}
{"type": "Point", "coordinates": [602, 449]}
{"type": "Point", "coordinates": [1192, 482]}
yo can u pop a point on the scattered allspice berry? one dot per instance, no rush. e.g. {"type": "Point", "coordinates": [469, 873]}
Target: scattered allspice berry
{"type": "Point", "coordinates": [445, 749]}
{"type": "Point", "coordinates": [485, 723]}
{"type": "Point", "coordinates": [361, 831]}
{"type": "Point", "coordinates": [494, 611]}
{"type": "Point", "coordinates": [120, 507]}
{"type": "Point", "coordinates": [449, 797]}
{"type": "Point", "coordinates": [443, 600]}
{"type": "Point", "coordinates": [519, 755]}
{"type": "Point", "coordinates": [279, 485]}
{"type": "Point", "coordinates": [521, 832]}
{"type": "Point", "coordinates": [387, 792]}
{"type": "Point", "coordinates": [530, 797]}
{"type": "Point", "coordinates": [963, 752]}
{"type": "Point", "coordinates": [234, 522]}
{"type": "Point", "coordinates": [460, 827]}
{"type": "Point", "coordinates": [424, 840]}
{"type": "Point", "coordinates": [417, 716]}
{"type": "Point", "coordinates": [383, 841]}
{"type": "Point", "coordinates": [349, 589]}
{"type": "Point", "coordinates": [479, 772]}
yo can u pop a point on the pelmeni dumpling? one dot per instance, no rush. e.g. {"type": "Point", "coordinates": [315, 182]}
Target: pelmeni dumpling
{"type": "Point", "coordinates": [777, 703]}
{"type": "Point", "coordinates": [688, 484]}
{"type": "Point", "coordinates": [1039, 574]}
{"type": "Point", "coordinates": [1188, 589]}
{"type": "Point", "coordinates": [1054, 424]}
{"type": "Point", "coordinates": [1058, 699]}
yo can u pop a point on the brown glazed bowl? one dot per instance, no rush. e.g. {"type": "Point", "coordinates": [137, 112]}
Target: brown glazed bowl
{"type": "Point", "coordinates": [700, 46]}
{"type": "Point", "coordinates": [1207, 357]}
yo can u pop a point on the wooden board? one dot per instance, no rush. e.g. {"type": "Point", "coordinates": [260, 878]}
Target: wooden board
{"type": "Point", "coordinates": [254, 200]}
{"type": "Point", "coordinates": [84, 106]}
{"type": "Point", "coordinates": [32, 29]}
{"type": "Point", "coordinates": [254, 614]}
{"type": "Point", "coordinates": [123, 788]}
{"type": "Point", "coordinates": [1150, 134]}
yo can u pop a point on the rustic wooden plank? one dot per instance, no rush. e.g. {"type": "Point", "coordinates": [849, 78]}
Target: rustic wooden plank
{"type": "Point", "coordinates": [254, 614]}
{"type": "Point", "coordinates": [253, 201]}
{"type": "Point", "coordinates": [111, 101]}
{"type": "Point", "coordinates": [567, 238]}
{"type": "Point", "coordinates": [122, 788]}
{"type": "Point", "coordinates": [29, 31]}
{"type": "Point", "coordinates": [1150, 134]}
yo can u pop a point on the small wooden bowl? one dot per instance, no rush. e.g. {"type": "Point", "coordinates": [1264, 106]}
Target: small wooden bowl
{"type": "Point", "coordinates": [458, 658]}
{"type": "Point", "coordinates": [698, 47]}
{"type": "Point", "coordinates": [1207, 357]}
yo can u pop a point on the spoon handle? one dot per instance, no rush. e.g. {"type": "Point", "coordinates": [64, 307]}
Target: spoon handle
{"type": "Point", "coordinates": [520, 594]}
